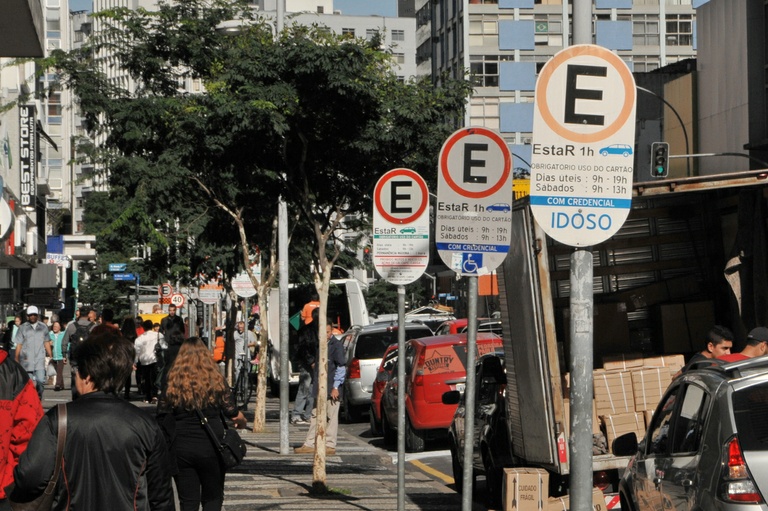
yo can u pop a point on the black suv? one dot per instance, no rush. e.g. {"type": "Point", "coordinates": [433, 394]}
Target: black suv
{"type": "Point", "coordinates": [707, 445]}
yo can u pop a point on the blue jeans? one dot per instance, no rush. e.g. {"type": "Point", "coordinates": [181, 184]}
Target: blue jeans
{"type": "Point", "coordinates": [302, 406]}
{"type": "Point", "coordinates": [40, 377]}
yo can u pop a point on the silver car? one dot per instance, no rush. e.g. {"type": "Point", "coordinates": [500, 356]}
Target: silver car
{"type": "Point", "coordinates": [706, 447]}
{"type": "Point", "coordinates": [364, 348]}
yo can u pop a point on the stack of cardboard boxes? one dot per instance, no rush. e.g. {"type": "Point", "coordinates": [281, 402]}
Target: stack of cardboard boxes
{"type": "Point", "coordinates": [527, 489]}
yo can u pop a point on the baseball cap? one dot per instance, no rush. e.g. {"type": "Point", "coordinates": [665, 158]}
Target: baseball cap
{"type": "Point", "coordinates": [758, 334]}
{"type": "Point", "coordinates": [32, 310]}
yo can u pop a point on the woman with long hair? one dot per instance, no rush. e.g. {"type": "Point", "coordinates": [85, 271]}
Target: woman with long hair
{"type": "Point", "coordinates": [195, 383]}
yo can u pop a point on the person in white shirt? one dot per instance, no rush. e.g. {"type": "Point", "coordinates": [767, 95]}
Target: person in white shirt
{"type": "Point", "coordinates": [147, 357]}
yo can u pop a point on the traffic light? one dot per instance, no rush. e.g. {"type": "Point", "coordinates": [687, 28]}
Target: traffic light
{"type": "Point", "coordinates": [367, 255]}
{"type": "Point", "coordinates": [659, 159]}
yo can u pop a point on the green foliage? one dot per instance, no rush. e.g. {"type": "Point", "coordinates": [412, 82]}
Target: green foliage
{"type": "Point", "coordinates": [381, 297]}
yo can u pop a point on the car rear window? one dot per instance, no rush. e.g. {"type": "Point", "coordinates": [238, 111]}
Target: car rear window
{"type": "Point", "coordinates": [750, 408]}
{"type": "Point", "coordinates": [374, 344]}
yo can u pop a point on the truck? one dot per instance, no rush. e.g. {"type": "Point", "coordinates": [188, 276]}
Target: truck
{"type": "Point", "coordinates": [691, 254]}
{"type": "Point", "coordinates": [346, 308]}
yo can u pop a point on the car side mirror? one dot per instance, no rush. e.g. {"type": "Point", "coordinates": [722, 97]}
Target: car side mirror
{"type": "Point", "coordinates": [452, 397]}
{"type": "Point", "coordinates": [625, 445]}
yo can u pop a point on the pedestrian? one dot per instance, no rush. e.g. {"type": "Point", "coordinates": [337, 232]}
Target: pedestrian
{"type": "Point", "coordinates": [77, 332]}
{"type": "Point", "coordinates": [166, 351]}
{"type": "Point", "coordinates": [757, 346]}
{"type": "Point", "coordinates": [336, 373]}
{"type": "Point", "coordinates": [32, 346]}
{"type": "Point", "coordinates": [18, 320]}
{"type": "Point", "coordinates": [172, 324]}
{"type": "Point", "coordinates": [719, 341]}
{"type": "Point", "coordinates": [115, 456]}
{"type": "Point", "coordinates": [195, 384]}
{"type": "Point", "coordinates": [146, 360]}
{"type": "Point", "coordinates": [306, 311]}
{"type": "Point", "coordinates": [20, 411]}
{"type": "Point", "coordinates": [306, 352]}
{"type": "Point", "coordinates": [128, 329]}
{"type": "Point", "coordinates": [58, 357]}
{"type": "Point", "coordinates": [244, 339]}
{"type": "Point", "coordinates": [108, 318]}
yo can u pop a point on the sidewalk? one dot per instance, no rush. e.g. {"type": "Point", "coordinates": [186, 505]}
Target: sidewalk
{"type": "Point", "coordinates": [362, 476]}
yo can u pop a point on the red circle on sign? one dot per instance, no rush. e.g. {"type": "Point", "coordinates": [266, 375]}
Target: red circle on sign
{"type": "Point", "coordinates": [385, 179]}
{"type": "Point", "coordinates": [447, 149]}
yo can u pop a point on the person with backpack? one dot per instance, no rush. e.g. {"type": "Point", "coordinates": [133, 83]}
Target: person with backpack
{"type": "Point", "coordinates": [75, 334]}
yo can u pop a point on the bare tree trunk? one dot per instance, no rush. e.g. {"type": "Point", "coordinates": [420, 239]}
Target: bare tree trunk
{"type": "Point", "coordinates": [322, 283]}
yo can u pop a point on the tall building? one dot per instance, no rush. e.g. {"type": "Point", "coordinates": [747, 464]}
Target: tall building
{"type": "Point", "coordinates": [505, 43]}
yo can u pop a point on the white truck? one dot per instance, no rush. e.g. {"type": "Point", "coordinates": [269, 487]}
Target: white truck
{"type": "Point", "coordinates": [346, 307]}
{"type": "Point", "coordinates": [691, 254]}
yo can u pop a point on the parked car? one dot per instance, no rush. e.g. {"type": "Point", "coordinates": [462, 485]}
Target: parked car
{"type": "Point", "coordinates": [433, 366]}
{"type": "Point", "coordinates": [364, 348]}
{"type": "Point", "coordinates": [705, 448]}
{"type": "Point", "coordinates": [491, 451]}
{"type": "Point", "coordinates": [382, 377]}
{"type": "Point", "coordinates": [459, 326]}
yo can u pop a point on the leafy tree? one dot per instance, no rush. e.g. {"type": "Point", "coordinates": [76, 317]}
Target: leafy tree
{"type": "Point", "coordinates": [307, 116]}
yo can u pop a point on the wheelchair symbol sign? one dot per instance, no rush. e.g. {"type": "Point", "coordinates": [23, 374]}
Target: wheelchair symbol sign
{"type": "Point", "coordinates": [467, 263]}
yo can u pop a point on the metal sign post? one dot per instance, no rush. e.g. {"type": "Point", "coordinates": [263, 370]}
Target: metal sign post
{"type": "Point", "coordinates": [581, 194]}
{"type": "Point", "coordinates": [400, 255]}
{"type": "Point", "coordinates": [472, 234]}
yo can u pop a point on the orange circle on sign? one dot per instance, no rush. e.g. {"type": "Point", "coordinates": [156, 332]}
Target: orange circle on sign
{"type": "Point", "coordinates": [556, 62]}
{"type": "Point", "coordinates": [385, 179]}
{"type": "Point", "coordinates": [458, 135]}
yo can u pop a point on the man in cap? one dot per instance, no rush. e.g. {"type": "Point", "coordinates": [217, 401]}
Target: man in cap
{"type": "Point", "coordinates": [757, 346]}
{"type": "Point", "coordinates": [33, 344]}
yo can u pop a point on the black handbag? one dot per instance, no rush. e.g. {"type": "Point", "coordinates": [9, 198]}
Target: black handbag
{"type": "Point", "coordinates": [231, 447]}
{"type": "Point", "coordinates": [45, 501]}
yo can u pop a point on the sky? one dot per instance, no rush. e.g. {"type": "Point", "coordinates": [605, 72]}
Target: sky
{"type": "Point", "coordinates": [349, 7]}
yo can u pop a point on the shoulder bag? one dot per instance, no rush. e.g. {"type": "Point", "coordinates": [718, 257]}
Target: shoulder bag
{"type": "Point", "coordinates": [231, 447]}
{"type": "Point", "coordinates": [45, 501]}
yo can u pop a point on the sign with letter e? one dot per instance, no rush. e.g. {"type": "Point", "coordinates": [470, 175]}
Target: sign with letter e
{"type": "Point", "coordinates": [582, 159]}
{"type": "Point", "coordinates": [474, 201]}
{"type": "Point", "coordinates": [400, 226]}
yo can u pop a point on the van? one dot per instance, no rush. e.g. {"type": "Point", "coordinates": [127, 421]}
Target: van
{"type": "Point", "coordinates": [433, 366]}
{"type": "Point", "coordinates": [346, 307]}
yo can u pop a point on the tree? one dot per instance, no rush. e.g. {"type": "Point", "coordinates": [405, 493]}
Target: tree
{"type": "Point", "coordinates": [307, 116]}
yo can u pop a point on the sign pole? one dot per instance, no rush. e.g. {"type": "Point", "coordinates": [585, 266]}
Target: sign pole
{"type": "Point", "coordinates": [469, 396]}
{"type": "Point", "coordinates": [400, 398]}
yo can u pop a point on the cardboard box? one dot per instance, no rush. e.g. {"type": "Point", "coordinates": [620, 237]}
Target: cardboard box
{"type": "Point", "coordinates": [648, 385]}
{"type": "Point", "coordinates": [673, 362]}
{"type": "Point", "coordinates": [621, 424]}
{"type": "Point", "coordinates": [622, 362]}
{"type": "Point", "coordinates": [564, 503]}
{"type": "Point", "coordinates": [525, 489]}
{"type": "Point", "coordinates": [613, 392]}
{"type": "Point", "coordinates": [595, 419]}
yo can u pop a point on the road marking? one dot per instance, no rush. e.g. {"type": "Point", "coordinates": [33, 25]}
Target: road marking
{"type": "Point", "coordinates": [421, 455]}
{"type": "Point", "coordinates": [433, 472]}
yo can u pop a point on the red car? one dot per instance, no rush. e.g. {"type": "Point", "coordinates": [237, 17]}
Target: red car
{"type": "Point", "coordinates": [434, 366]}
{"type": "Point", "coordinates": [383, 374]}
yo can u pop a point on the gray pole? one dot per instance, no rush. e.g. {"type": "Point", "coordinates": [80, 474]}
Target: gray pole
{"type": "Point", "coordinates": [581, 364]}
{"type": "Point", "coordinates": [401, 398]}
{"type": "Point", "coordinates": [582, 22]}
{"type": "Point", "coordinates": [282, 250]}
{"type": "Point", "coordinates": [469, 396]}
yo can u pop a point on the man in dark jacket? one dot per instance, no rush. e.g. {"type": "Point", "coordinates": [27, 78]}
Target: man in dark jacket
{"type": "Point", "coordinates": [20, 411]}
{"type": "Point", "coordinates": [172, 325]}
{"type": "Point", "coordinates": [115, 455]}
{"type": "Point", "coordinates": [76, 332]}
{"type": "Point", "coordinates": [336, 372]}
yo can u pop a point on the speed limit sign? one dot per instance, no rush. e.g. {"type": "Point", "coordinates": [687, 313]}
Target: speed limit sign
{"type": "Point", "coordinates": [177, 299]}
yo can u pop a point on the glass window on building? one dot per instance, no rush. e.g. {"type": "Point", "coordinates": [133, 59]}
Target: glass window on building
{"type": "Point", "coordinates": [370, 33]}
{"type": "Point", "coordinates": [645, 30]}
{"type": "Point", "coordinates": [680, 30]}
{"type": "Point", "coordinates": [399, 58]}
{"type": "Point", "coordinates": [678, 2]}
{"type": "Point", "coordinates": [484, 69]}
{"type": "Point", "coordinates": [484, 31]}
{"type": "Point", "coordinates": [398, 35]}
{"type": "Point", "coordinates": [644, 63]}
{"type": "Point", "coordinates": [53, 3]}
{"type": "Point", "coordinates": [348, 32]}
{"type": "Point", "coordinates": [548, 29]}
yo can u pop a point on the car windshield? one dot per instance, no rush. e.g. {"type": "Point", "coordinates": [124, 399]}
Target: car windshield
{"type": "Point", "coordinates": [750, 408]}
{"type": "Point", "coordinates": [374, 344]}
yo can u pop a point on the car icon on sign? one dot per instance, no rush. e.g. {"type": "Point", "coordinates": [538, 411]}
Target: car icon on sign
{"type": "Point", "coordinates": [408, 230]}
{"type": "Point", "coordinates": [622, 149]}
{"type": "Point", "coordinates": [500, 207]}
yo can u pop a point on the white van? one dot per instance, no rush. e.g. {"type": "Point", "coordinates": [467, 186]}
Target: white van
{"type": "Point", "coordinates": [346, 307]}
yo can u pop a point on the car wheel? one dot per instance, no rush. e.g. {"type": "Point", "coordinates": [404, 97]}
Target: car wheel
{"type": "Point", "coordinates": [415, 440]}
{"type": "Point", "coordinates": [626, 154]}
{"type": "Point", "coordinates": [352, 413]}
{"type": "Point", "coordinates": [458, 471]}
{"type": "Point", "coordinates": [604, 153]}
{"type": "Point", "coordinates": [390, 436]}
{"type": "Point", "coordinates": [375, 426]}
